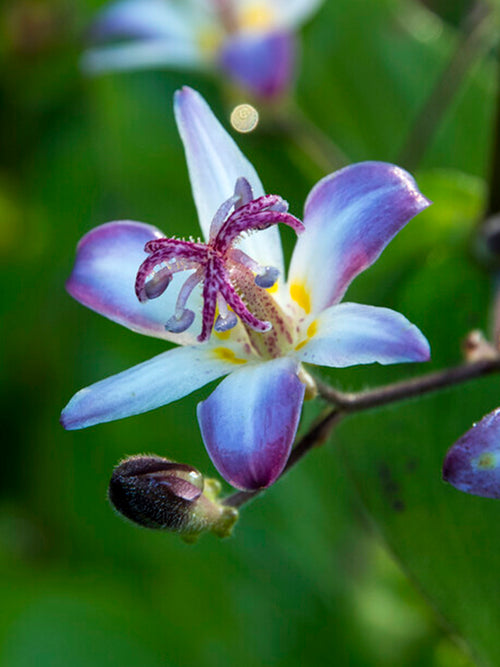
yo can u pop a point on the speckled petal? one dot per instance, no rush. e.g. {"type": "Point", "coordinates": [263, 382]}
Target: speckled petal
{"type": "Point", "coordinates": [103, 279]}
{"type": "Point", "coordinates": [349, 334]}
{"type": "Point", "coordinates": [154, 383]}
{"type": "Point", "coordinates": [249, 422]}
{"type": "Point", "coordinates": [260, 63]}
{"type": "Point", "coordinates": [472, 464]}
{"type": "Point", "coordinates": [350, 217]}
{"type": "Point", "coordinates": [215, 163]}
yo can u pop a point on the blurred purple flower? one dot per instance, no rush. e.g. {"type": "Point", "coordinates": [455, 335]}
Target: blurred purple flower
{"type": "Point", "coordinates": [243, 319]}
{"type": "Point", "coordinates": [251, 41]}
{"type": "Point", "coordinates": [472, 464]}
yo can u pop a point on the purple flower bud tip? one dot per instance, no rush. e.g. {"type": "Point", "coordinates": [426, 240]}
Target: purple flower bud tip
{"type": "Point", "coordinates": [161, 494]}
{"type": "Point", "coordinates": [155, 492]}
{"type": "Point", "coordinates": [472, 464]}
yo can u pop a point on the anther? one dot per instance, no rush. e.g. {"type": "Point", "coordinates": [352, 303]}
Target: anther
{"type": "Point", "coordinates": [225, 323]}
{"type": "Point", "coordinates": [158, 283]}
{"type": "Point", "coordinates": [267, 278]}
{"type": "Point", "coordinates": [180, 321]}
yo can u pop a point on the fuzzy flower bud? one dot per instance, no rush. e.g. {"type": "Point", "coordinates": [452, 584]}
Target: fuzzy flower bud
{"type": "Point", "coordinates": [161, 494]}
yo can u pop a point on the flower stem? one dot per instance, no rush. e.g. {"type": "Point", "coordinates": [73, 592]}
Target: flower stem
{"type": "Point", "coordinates": [348, 403]}
{"type": "Point", "coordinates": [291, 121]}
{"type": "Point", "coordinates": [477, 36]}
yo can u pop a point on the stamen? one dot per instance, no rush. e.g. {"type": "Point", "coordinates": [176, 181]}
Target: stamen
{"type": "Point", "coordinates": [234, 300]}
{"type": "Point", "coordinates": [257, 215]}
{"type": "Point", "coordinates": [221, 215]}
{"type": "Point", "coordinates": [268, 278]}
{"type": "Point", "coordinates": [158, 282]}
{"type": "Point", "coordinates": [231, 279]}
{"type": "Point", "coordinates": [183, 318]}
{"type": "Point", "coordinates": [243, 190]}
{"type": "Point", "coordinates": [226, 319]}
{"type": "Point", "coordinates": [180, 321]}
{"type": "Point", "coordinates": [266, 275]}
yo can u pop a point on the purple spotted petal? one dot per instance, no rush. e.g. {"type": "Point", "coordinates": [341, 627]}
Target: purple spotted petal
{"type": "Point", "coordinates": [472, 464]}
{"type": "Point", "coordinates": [215, 163]}
{"type": "Point", "coordinates": [350, 216]}
{"type": "Point", "coordinates": [249, 422]}
{"type": "Point", "coordinates": [349, 334]}
{"type": "Point", "coordinates": [260, 63]}
{"type": "Point", "coordinates": [156, 382]}
{"type": "Point", "coordinates": [103, 278]}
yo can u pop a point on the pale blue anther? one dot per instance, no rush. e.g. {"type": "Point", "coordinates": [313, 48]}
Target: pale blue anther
{"type": "Point", "coordinates": [158, 283]}
{"type": "Point", "coordinates": [225, 323]}
{"type": "Point", "coordinates": [267, 278]}
{"type": "Point", "coordinates": [180, 322]}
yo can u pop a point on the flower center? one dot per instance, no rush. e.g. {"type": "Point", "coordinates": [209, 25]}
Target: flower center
{"type": "Point", "coordinates": [280, 337]}
{"type": "Point", "coordinates": [232, 281]}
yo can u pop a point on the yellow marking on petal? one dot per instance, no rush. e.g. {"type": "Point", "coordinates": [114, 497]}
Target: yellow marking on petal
{"type": "Point", "coordinates": [256, 16]}
{"type": "Point", "coordinates": [273, 288]}
{"type": "Point", "coordinates": [225, 354]}
{"type": "Point", "coordinates": [209, 41]}
{"type": "Point", "coordinates": [223, 335]}
{"type": "Point", "coordinates": [312, 329]}
{"type": "Point", "coordinates": [487, 461]}
{"type": "Point", "coordinates": [301, 296]}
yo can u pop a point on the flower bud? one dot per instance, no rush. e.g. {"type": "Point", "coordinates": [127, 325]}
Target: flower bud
{"type": "Point", "coordinates": [161, 494]}
{"type": "Point", "coordinates": [476, 347]}
{"type": "Point", "coordinates": [472, 464]}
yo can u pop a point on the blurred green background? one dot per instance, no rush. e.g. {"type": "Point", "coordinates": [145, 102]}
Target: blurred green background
{"type": "Point", "coordinates": [362, 556]}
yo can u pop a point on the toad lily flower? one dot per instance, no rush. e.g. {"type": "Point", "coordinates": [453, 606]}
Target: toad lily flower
{"type": "Point", "coordinates": [252, 41]}
{"type": "Point", "coordinates": [226, 303]}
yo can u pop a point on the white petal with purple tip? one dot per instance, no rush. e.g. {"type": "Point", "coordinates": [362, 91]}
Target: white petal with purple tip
{"type": "Point", "coordinates": [154, 383]}
{"type": "Point", "coordinates": [349, 334]}
{"type": "Point", "coordinates": [350, 217]}
{"type": "Point", "coordinates": [472, 464]}
{"type": "Point", "coordinates": [142, 54]}
{"type": "Point", "coordinates": [215, 163]}
{"type": "Point", "coordinates": [103, 278]}
{"type": "Point", "coordinates": [249, 422]}
{"type": "Point", "coordinates": [144, 18]}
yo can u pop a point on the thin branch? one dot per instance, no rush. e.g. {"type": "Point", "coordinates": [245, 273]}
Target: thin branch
{"type": "Point", "coordinates": [400, 391]}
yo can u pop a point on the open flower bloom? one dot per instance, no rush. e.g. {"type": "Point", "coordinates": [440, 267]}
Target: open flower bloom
{"type": "Point", "coordinates": [472, 464]}
{"type": "Point", "coordinates": [250, 40]}
{"type": "Point", "coordinates": [226, 302]}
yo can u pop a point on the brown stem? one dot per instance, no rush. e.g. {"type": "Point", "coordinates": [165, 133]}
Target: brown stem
{"type": "Point", "coordinates": [400, 391]}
